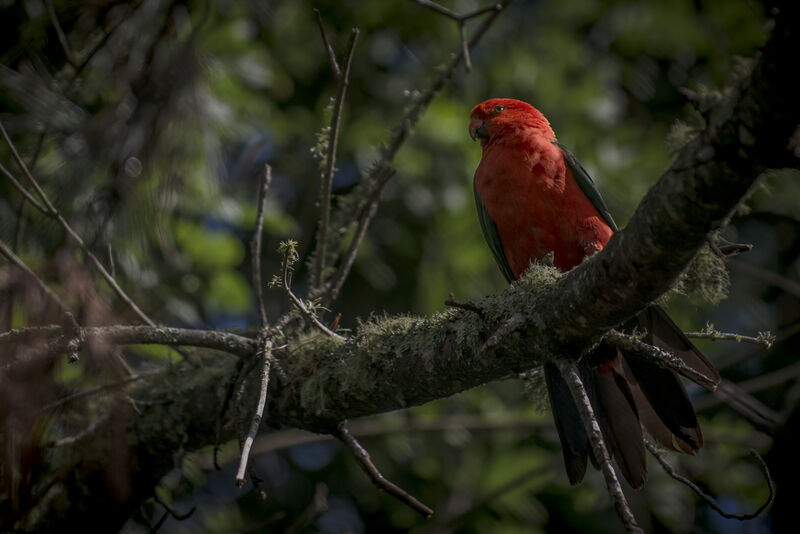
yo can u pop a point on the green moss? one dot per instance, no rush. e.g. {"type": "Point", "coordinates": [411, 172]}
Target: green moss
{"type": "Point", "coordinates": [540, 275]}
{"type": "Point", "coordinates": [705, 278]}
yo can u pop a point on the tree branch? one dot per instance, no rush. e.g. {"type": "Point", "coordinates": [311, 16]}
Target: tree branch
{"type": "Point", "coordinates": [326, 181]}
{"type": "Point", "coordinates": [255, 245]}
{"type": "Point", "coordinates": [570, 373]}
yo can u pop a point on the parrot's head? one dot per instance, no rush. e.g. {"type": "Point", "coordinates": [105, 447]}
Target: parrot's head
{"type": "Point", "coordinates": [500, 117]}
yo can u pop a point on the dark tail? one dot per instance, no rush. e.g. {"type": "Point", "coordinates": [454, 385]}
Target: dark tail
{"type": "Point", "coordinates": [628, 393]}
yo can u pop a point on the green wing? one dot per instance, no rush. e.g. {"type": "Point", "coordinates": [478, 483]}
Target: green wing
{"type": "Point", "coordinates": [492, 236]}
{"type": "Point", "coordinates": [587, 186]}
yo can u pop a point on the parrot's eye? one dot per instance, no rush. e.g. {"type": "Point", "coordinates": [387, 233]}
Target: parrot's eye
{"type": "Point", "coordinates": [498, 109]}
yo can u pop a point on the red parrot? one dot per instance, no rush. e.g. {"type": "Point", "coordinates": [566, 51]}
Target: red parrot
{"type": "Point", "coordinates": [533, 197]}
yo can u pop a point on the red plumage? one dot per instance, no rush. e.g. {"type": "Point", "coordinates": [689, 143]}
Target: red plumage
{"type": "Point", "coordinates": [533, 197]}
{"type": "Point", "coordinates": [529, 191]}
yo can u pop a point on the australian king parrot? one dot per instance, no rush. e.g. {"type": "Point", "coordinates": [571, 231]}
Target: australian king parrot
{"type": "Point", "coordinates": [533, 197]}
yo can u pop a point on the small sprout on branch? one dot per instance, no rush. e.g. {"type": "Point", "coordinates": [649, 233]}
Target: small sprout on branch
{"type": "Point", "coordinates": [765, 339]}
{"type": "Point", "coordinates": [288, 249]}
{"type": "Point", "coordinates": [365, 463]}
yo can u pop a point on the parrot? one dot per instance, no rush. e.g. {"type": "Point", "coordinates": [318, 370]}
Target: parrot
{"type": "Point", "coordinates": [536, 202]}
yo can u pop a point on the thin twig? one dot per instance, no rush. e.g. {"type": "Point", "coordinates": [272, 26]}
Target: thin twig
{"type": "Point", "coordinates": [6, 251]}
{"type": "Point", "coordinates": [111, 267]}
{"type": "Point", "coordinates": [289, 257]}
{"type": "Point", "coordinates": [376, 178]}
{"type": "Point", "coordinates": [255, 245]}
{"type": "Point", "coordinates": [58, 337]}
{"type": "Point", "coordinates": [462, 33]}
{"type": "Point", "coordinates": [439, 9]}
{"type": "Point", "coordinates": [326, 182]}
{"type": "Point", "coordinates": [57, 215]}
{"type": "Point", "coordinates": [130, 8]}
{"type": "Point", "coordinates": [365, 462]}
{"type": "Point", "coordinates": [266, 354]}
{"type": "Point", "coordinates": [569, 372]}
{"type": "Point", "coordinates": [461, 20]}
{"type": "Point", "coordinates": [708, 498]}
{"type": "Point", "coordinates": [69, 440]}
{"type": "Point", "coordinates": [337, 281]}
{"type": "Point", "coordinates": [171, 511]}
{"type": "Point", "coordinates": [60, 33]}
{"type": "Point", "coordinates": [659, 356]}
{"type": "Point", "coordinates": [764, 339]}
{"type": "Point", "coordinates": [94, 391]}
{"type": "Point", "coordinates": [24, 191]}
{"type": "Point", "coordinates": [328, 48]}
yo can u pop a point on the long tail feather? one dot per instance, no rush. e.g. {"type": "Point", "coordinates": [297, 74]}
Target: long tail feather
{"type": "Point", "coordinates": [627, 393]}
{"type": "Point", "coordinates": [574, 442]}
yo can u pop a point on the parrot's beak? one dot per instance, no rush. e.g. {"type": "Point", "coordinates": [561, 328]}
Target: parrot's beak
{"type": "Point", "coordinates": [477, 128]}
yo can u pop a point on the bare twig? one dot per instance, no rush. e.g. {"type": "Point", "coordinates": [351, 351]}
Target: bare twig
{"type": "Point", "coordinates": [455, 16]}
{"type": "Point", "coordinates": [374, 181]}
{"type": "Point", "coordinates": [111, 267]}
{"type": "Point", "coordinates": [171, 511]}
{"type": "Point", "coordinates": [94, 391]}
{"type": "Point", "coordinates": [708, 498]}
{"type": "Point", "coordinates": [764, 339]}
{"type": "Point", "coordinates": [328, 48]}
{"type": "Point", "coordinates": [326, 181]}
{"type": "Point", "coordinates": [6, 251]}
{"type": "Point", "coordinates": [60, 32]}
{"type": "Point", "coordinates": [337, 281]}
{"type": "Point", "coordinates": [659, 356]}
{"type": "Point", "coordinates": [57, 215]}
{"type": "Point", "coordinates": [255, 245]}
{"type": "Point", "coordinates": [579, 395]}
{"type": "Point", "coordinates": [287, 248]}
{"type": "Point", "coordinates": [365, 462]}
{"type": "Point", "coordinates": [461, 20]}
{"type": "Point", "coordinates": [266, 354]}
{"type": "Point", "coordinates": [462, 33]}
{"type": "Point", "coordinates": [69, 440]}
{"type": "Point", "coordinates": [24, 191]}
{"type": "Point", "coordinates": [58, 337]}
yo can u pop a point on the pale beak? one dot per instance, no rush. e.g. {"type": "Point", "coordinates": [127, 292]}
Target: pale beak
{"type": "Point", "coordinates": [477, 128]}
